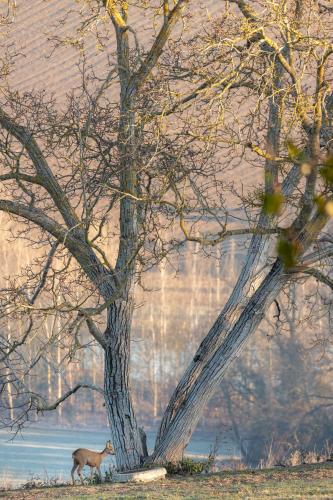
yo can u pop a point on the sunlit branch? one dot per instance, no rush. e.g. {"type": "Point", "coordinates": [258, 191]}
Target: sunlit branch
{"type": "Point", "coordinates": [217, 238]}
{"type": "Point", "coordinates": [114, 13]}
{"type": "Point", "coordinates": [138, 79]}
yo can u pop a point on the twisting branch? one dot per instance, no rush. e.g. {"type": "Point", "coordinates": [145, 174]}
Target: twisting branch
{"type": "Point", "coordinates": [42, 405]}
{"type": "Point", "coordinates": [81, 250]}
{"type": "Point", "coordinates": [33, 179]}
{"type": "Point", "coordinates": [229, 82]}
{"type": "Point", "coordinates": [39, 218]}
{"type": "Point", "coordinates": [260, 35]}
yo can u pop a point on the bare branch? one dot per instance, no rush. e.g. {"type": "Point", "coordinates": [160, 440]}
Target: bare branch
{"type": "Point", "coordinates": [316, 274]}
{"type": "Point", "coordinates": [42, 405]}
{"type": "Point", "coordinates": [38, 217]}
{"type": "Point", "coordinates": [95, 332]}
{"type": "Point", "coordinates": [33, 179]}
{"type": "Point", "coordinates": [45, 176]}
{"type": "Point", "coordinates": [138, 79]}
{"type": "Point", "coordinates": [18, 343]}
{"type": "Point", "coordinates": [316, 256]}
{"type": "Point", "coordinates": [114, 13]}
{"type": "Point", "coordinates": [104, 279]}
{"type": "Point", "coordinates": [45, 271]}
{"type": "Point", "coordinates": [215, 239]}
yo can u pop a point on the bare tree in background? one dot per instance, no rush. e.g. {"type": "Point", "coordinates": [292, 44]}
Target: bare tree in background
{"type": "Point", "coordinates": [279, 399]}
{"type": "Point", "coordinates": [145, 170]}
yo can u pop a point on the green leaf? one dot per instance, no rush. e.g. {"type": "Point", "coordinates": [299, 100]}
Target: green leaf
{"type": "Point", "coordinates": [320, 203]}
{"type": "Point", "coordinates": [288, 252]}
{"type": "Point", "coordinates": [295, 153]}
{"type": "Point", "coordinates": [327, 170]}
{"type": "Point", "coordinates": [329, 208]}
{"type": "Point", "coordinates": [272, 203]}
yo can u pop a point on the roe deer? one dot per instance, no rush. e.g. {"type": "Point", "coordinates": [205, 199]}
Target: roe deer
{"type": "Point", "coordinates": [82, 457]}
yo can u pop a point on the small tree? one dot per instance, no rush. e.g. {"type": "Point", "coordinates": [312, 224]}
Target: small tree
{"type": "Point", "coordinates": [146, 168]}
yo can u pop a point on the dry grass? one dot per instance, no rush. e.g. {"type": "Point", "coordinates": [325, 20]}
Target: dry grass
{"type": "Point", "coordinates": [303, 482]}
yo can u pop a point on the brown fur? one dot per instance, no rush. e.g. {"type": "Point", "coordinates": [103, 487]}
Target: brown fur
{"type": "Point", "coordinates": [82, 457]}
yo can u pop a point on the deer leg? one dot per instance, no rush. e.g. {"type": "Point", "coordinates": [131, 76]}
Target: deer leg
{"type": "Point", "coordinates": [75, 465]}
{"type": "Point", "coordinates": [99, 472]}
{"type": "Point", "coordinates": [91, 473]}
{"type": "Point", "coordinates": [79, 473]}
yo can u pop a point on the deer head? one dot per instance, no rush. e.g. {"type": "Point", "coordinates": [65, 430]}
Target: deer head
{"type": "Point", "coordinates": [109, 448]}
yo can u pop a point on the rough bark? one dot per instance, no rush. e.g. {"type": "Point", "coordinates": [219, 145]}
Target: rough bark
{"type": "Point", "coordinates": [251, 296]}
{"type": "Point", "coordinates": [124, 428]}
{"type": "Point", "coordinates": [247, 281]}
{"type": "Point", "coordinates": [247, 284]}
{"type": "Point", "coordinates": [183, 416]}
{"type": "Point", "coordinates": [189, 402]}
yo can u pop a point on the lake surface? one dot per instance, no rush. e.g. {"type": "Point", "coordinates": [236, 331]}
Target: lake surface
{"type": "Point", "coordinates": [47, 453]}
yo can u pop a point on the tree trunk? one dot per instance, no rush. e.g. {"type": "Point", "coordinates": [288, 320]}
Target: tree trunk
{"type": "Point", "coordinates": [188, 406]}
{"type": "Point", "coordinates": [220, 329]}
{"type": "Point", "coordinates": [124, 429]}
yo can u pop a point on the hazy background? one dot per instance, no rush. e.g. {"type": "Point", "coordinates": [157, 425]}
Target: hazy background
{"type": "Point", "coordinates": [278, 393]}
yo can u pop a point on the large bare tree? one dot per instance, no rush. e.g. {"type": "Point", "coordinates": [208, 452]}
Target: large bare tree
{"type": "Point", "coordinates": [138, 158]}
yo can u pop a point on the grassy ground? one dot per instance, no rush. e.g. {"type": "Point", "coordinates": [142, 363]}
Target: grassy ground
{"type": "Point", "coordinates": [303, 482]}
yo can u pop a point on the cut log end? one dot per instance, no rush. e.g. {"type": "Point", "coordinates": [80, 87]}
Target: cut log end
{"type": "Point", "coordinates": [139, 476]}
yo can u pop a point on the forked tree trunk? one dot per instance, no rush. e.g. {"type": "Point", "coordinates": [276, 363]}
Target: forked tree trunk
{"type": "Point", "coordinates": [124, 429]}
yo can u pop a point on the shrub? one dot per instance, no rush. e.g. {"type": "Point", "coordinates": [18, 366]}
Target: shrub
{"type": "Point", "coordinates": [185, 466]}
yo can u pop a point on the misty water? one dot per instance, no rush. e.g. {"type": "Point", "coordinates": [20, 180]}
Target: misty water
{"type": "Point", "coordinates": [47, 453]}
